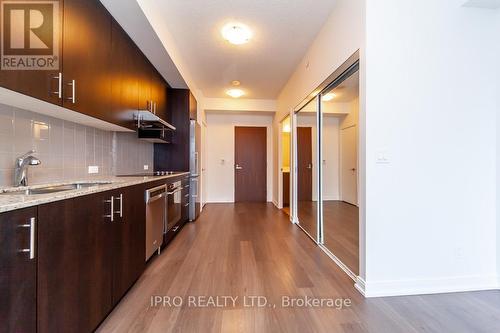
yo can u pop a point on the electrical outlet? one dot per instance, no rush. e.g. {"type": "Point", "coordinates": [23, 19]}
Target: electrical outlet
{"type": "Point", "coordinates": [146, 167]}
{"type": "Point", "coordinates": [93, 169]}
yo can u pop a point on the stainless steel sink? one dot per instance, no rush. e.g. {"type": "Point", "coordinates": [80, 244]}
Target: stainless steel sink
{"type": "Point", "coordinates": [54, 189]}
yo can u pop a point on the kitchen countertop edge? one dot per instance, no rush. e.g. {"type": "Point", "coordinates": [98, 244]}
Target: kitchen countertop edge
{"type": "Point", "coordinates": [15, 202]}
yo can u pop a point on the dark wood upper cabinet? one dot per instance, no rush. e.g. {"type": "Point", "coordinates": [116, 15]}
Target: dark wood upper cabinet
{"type": "Point", "coordinates": [159, 95]}
{"type": "Point", "coordinates": [74, 256]}
{"type": "Point", "coordinates": [102, 73]}
{"type": "Point", "coordinates": [124, 78]}
{"type": "Point", "coordinates": [18, 271]}
{"type": "Point", "coordinates": [40, 84]}
{"type": "Point", "coordinates": [181, 108]}
{"type": "Point", "coordinates": [87, 58]}
{"type": "Point", "coordinates": [145, 82]}
{"type": "Point", "coordinates": [129, 234]}
{"type": "Point", "coordinates": [193, 107]}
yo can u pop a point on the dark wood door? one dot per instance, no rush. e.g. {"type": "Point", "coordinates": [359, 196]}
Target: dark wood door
{"type": "Point", "coordinates": [304, 163]}
{"type": "Point", "coordinates": [250, 157]}
{"type": "Point", "coordinates": [130, 239]}
{"type": "Point", "coordinates": [74, 264]}
{"type": "Point", "coordinates": [40, 84]}
{"type": "Point", "coordinates": [124, 82]}
{"type": "Point", "coordinates": [17, 272]}
{"type": "Point", "coordinates": [87, 56]}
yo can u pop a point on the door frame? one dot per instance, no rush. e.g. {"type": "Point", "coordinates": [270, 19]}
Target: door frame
{"type": "Point", "coordinates": [279, 202]}
{"type": "Point", "coordinates": [341, 185]}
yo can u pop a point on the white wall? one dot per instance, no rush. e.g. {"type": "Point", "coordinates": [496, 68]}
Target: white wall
{"type": "Point", "coordinates": [331, 158]}
{"type": "Point", "coordinates": [220, 146]}
{"type": "Point", "coordinates": [497, 33]}
{"type": "Point", "coordinates": [430, 212]}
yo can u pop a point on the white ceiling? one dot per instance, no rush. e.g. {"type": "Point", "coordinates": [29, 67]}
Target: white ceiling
{"type": "Point", "coordinates": [490, 4]}
{"type": "Point", "coordinates": [283, 31]}
{"type": "Point", "coordinates": [130, 16]}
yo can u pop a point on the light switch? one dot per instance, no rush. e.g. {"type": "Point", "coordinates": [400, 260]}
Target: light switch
{"type": "Point", "coordinates": [383, 157]}
{"type": "Point", "coordinates": [146, 167]}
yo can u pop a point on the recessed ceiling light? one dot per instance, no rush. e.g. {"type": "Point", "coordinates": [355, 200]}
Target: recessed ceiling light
{"type": "Point", "coordinates": [236, 33]}
{"type": "Point", "coordinates": [235, 93]}
{"type": "Point", "coordinates": [328, 97]}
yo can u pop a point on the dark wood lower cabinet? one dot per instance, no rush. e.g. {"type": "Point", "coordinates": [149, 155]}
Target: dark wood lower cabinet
{"type": "Point", "coordinates": [17, 272]}
{"type": "Point", "coordinates": [74, 257]}
{"type": "Point", "coordinates": [129, 241]}
{"type": "Point", "coordinates": [87, 261]}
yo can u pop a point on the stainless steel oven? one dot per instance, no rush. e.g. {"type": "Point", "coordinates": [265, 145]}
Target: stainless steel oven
{"type": "Point", "coordinates": [174, 205]}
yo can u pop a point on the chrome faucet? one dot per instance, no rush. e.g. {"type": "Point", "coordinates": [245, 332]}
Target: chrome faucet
{"type": "Point", "coordinates": [21, 168]}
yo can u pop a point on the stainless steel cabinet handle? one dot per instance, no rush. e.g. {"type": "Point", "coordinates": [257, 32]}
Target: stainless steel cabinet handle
{"type": "Point", "coordinates": [112, 209]}
{"type": "Point", "coordinates": [187, 195]}
{"type": "Point", "coordinates": [238, 167]}
{"type": "Point", "coordinates": [32, 226]}
{"type": "Point", "coordinates": [59, 79]}
{"type": "Point", "coordinates": [121, 205]}
{"type": "Point", "coordinates": [186, 205]}
{"type": "Point", "coordinates": [174, 229]}
{"type": "Point", "coordinates": [73, 91]}
{"type": "Point", "coordinates": [309, 166]}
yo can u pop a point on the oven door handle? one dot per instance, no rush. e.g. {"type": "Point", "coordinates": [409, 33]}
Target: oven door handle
{"type": "Point", "coordinates": [153, 199]}
{"type": "Point", "coordinates": [174, 192]}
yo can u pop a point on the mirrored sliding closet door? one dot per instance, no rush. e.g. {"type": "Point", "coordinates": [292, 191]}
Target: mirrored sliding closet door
{"type": "Point", "coordinates": [307, 174]}
{"type": "Point", "coordinates": [339, 169]}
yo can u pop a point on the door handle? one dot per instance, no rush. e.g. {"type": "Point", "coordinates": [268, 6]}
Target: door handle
{"type": "Point", "coordinates": [309, 166]}
{"type": "Point", "coordinates": [238, 167]}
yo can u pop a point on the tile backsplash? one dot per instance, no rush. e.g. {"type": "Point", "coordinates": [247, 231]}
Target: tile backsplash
{"type": "Point", "coordinates": [66, 149]}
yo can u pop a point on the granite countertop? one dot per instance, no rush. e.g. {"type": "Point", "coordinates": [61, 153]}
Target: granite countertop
{"type": "Point", "coordinates": [17, 201]}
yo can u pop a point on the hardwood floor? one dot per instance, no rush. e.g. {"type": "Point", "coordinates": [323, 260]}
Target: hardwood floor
{"type": "Point", "coordinates": [252, 249]}
{"type": "Point", "coordinates": [340, 229]}
{"type": "Point", "coordinates": [307, 212]}
{"type": "Point", "coordinates": [341, 232]}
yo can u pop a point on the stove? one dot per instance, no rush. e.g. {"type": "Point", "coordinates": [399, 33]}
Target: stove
{"type": "Point", "coordinates": [152, 174]}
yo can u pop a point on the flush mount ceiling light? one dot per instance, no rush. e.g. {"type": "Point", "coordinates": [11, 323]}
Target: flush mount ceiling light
{"type": "Point", "coordinates": [236, 33]}
{"type": "Point", "coordinates": [235, 93]}
{"type": "Point", "coordinates": [328, 97]}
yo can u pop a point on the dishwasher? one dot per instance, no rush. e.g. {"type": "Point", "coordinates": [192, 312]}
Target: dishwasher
{"type": "Point", "coordinates": [155, 219]}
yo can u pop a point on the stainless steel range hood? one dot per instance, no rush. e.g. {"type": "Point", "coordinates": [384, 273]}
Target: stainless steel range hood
{"type": "Point", "coordinates": [152, 128]}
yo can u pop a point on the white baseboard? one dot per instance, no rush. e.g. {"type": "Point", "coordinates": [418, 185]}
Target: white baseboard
{"type": "Point", "coordinates": [424, 287]}
{"type": "Point", "coordinates": [360, 285]}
